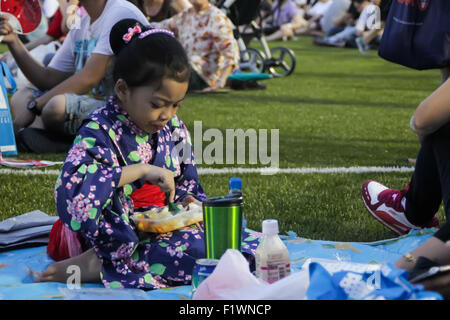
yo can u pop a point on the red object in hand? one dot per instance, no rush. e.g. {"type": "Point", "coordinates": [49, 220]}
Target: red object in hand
{"type": "Point", "coordinates": [27, 12]}
{"type": "Point", "coordinates": [148, 195]}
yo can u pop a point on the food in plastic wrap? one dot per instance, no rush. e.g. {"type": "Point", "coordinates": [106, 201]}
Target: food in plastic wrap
{"type": "Point", "coordinates": [161, 220]}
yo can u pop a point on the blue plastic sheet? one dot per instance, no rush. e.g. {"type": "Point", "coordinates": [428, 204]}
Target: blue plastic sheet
{"type": "Point", "coordinates": [16, 283]}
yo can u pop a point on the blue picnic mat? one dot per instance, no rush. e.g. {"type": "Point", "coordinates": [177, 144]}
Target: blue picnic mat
{"type": "Point", "coordinates": [17, 284]}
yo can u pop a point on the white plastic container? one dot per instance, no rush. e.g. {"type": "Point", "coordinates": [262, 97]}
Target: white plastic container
{"type": "Point", "coordinates": [272, 256]}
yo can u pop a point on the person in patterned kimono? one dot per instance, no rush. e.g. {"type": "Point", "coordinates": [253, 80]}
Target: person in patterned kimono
{"type": "Point", "coordinates": [206, 34]}
{"type": "Point", "coordinates": [136, 139]}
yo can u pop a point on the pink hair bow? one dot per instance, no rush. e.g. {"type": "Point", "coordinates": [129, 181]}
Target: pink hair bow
{"type": "Point", "coordinates": [131, 32]}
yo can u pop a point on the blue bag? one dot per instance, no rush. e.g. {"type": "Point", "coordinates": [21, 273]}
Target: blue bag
{"type": "Point", "coordinates": [417, 34]}
{"type": "Point", "coordinates": [7, 140]}
{"type": "Point", "coordinates": [355, 283]}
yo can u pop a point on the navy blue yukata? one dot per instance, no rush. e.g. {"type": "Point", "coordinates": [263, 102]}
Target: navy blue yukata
{"type": "Point", "coordinates": [89, 201]}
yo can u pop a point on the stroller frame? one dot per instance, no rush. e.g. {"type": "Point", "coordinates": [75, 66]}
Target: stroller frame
{"type": "Point", "coordinates": [279, 61]}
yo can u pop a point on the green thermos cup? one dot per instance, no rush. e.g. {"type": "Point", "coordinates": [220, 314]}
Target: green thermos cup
{"type": "Point", "coordinates": [222, 217]}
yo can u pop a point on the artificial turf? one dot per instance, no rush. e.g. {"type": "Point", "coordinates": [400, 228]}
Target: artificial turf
{"type": "Point", "coordinates": [338, 109]}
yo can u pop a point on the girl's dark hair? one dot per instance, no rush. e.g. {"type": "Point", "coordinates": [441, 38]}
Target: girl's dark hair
{"type": "Point", "coordinates": [148, 60]}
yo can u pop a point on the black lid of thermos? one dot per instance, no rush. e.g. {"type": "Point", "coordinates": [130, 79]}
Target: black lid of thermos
{"type": "Point", "coordinates": [223, 201]}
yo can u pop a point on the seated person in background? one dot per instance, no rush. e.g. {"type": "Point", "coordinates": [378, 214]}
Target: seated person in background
{"type": "Point", "coordinates": [48, 116]}
{"type": "Point", "coordinates": [284, 19]}
{"type": "Point", "coordinates": [349, 18]}
{"type": "Point", "coordinates": [206, 34]}
{"type": "Point", "coordinates": [367, 22]}
{"type": "Point", "coordinates": [335, 12]}
{"type": "Point", "coordinates": [415, 206]}
{"type": "Point", "coordinates": [313, 15]}
{"type": "Point", "coordinates": [158, 10]}
{"type": "Point", "coordinates": [373, 36]}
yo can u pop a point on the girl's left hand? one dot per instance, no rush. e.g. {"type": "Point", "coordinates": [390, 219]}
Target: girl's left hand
{"type": "Point", "coordinates": [162, 178]}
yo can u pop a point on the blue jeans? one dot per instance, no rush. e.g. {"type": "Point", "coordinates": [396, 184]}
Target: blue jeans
{"type": "Point", "coordinates": [348, 35]}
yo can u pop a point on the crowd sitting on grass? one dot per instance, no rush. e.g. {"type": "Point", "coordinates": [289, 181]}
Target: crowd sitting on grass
{"type": "Point", "coordinates": [63, 90]}
{"type": "Point", "coordinates": [92, 70]}
{"type": "Point", "coordinates": [338, 23]}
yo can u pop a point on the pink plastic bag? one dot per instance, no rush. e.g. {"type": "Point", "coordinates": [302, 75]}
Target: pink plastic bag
{"type": "Point", "coordinates": [232, 280]}
{"type": "Point", "coordinates": [73, 244]}
{"type": "Point", "coordinates": [63, 243]}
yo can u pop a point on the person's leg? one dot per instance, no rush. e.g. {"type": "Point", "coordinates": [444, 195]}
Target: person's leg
{"type": "Point", "coordinates": [277, 35]}
{"type": "Point", "coordinates": [18, 104]}
{"type": "Point", "coordinates": [441, 149]}
{"type": "Point", "coordinates": [424, 194]}
{"type": "Point", "coordinates": [346, 34]}
{"type": "Point", "coordinates": [88, 262]}
{"type": "Point", "coordinates": [77, 108]}
{"type": "Point", "coordinates": [416, 206]}
{"type": "Point", "coordinates": [54, 114]}
{"type": "Point", "coordinates": [334, 30]}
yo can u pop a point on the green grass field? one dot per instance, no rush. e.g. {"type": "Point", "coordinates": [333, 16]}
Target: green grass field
{"type": "Point", "coordinates": [338, 109]}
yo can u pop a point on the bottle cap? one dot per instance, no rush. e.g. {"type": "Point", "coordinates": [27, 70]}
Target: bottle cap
{"type": "Point", "coordinates": [235, 183]}
{"type": "Point", "coordinates": [270, 226]}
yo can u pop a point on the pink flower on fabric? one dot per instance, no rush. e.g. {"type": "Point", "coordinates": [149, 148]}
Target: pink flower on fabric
{"type": "Point", "coordinates": [79, 208]}
{"type": "Point", "coordinates": [144, 150]}
{"type": "Point", "coordinates": [124, 251]}
{"type": "Point", "coordinates": [75, 155]}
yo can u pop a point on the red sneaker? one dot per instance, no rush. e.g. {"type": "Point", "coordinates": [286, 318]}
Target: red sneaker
{"type": "Point", "coordinates": [388, 207]}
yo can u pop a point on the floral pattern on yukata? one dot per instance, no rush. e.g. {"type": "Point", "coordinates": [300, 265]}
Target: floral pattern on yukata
{"type": "Point", "coordinates": [89, 201]}
{"type": "Point", "coordinates": [207, 37]}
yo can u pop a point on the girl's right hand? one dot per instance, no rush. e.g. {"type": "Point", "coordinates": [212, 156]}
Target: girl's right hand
{"type": "Point", "coordinates": [162, 178]}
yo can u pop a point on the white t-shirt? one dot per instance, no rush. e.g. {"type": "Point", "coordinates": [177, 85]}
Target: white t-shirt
{"type": "Point", "coordinates": [367, 18]}
{"type": "Point", "coordinates": [319, 8]}
{"type": "Point", "coordinates": [86, 38]}
{"type": "Point", "coordinates": [335, 11]}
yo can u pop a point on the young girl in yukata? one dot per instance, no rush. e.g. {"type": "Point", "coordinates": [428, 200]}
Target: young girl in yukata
{"type": "Point", "coordinates": [122, 147]}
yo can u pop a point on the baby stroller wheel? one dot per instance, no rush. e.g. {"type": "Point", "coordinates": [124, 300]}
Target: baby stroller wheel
{"type": "Point", "coordinates": [252, 60]}
{"type": "Point", "coordinates": [282, 62]}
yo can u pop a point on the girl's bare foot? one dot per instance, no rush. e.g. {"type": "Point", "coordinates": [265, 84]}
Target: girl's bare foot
{"type": "Point", "coordinates": [88, 265]}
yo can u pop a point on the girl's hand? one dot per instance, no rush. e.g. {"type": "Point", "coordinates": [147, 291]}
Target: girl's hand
{"type": "Point", "coordinates": [162, 178]}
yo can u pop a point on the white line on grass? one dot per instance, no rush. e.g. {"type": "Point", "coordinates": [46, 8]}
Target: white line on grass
{"type": "Point", "coordinates": [264, 171]}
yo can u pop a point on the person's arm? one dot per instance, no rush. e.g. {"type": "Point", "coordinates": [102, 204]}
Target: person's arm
{"type": "Point", "coordinates": [45, 39]}
{"type": "Point", "coordinates": [43, 78]}
{"type": "Point", "coordinates": [434, 249]}
{"type": "Point", "coordinates": [92, 174]}
{"type": "Point", "coordinates": [81, 82]}
{"type": "Point", "coordinates": [433, 112]}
